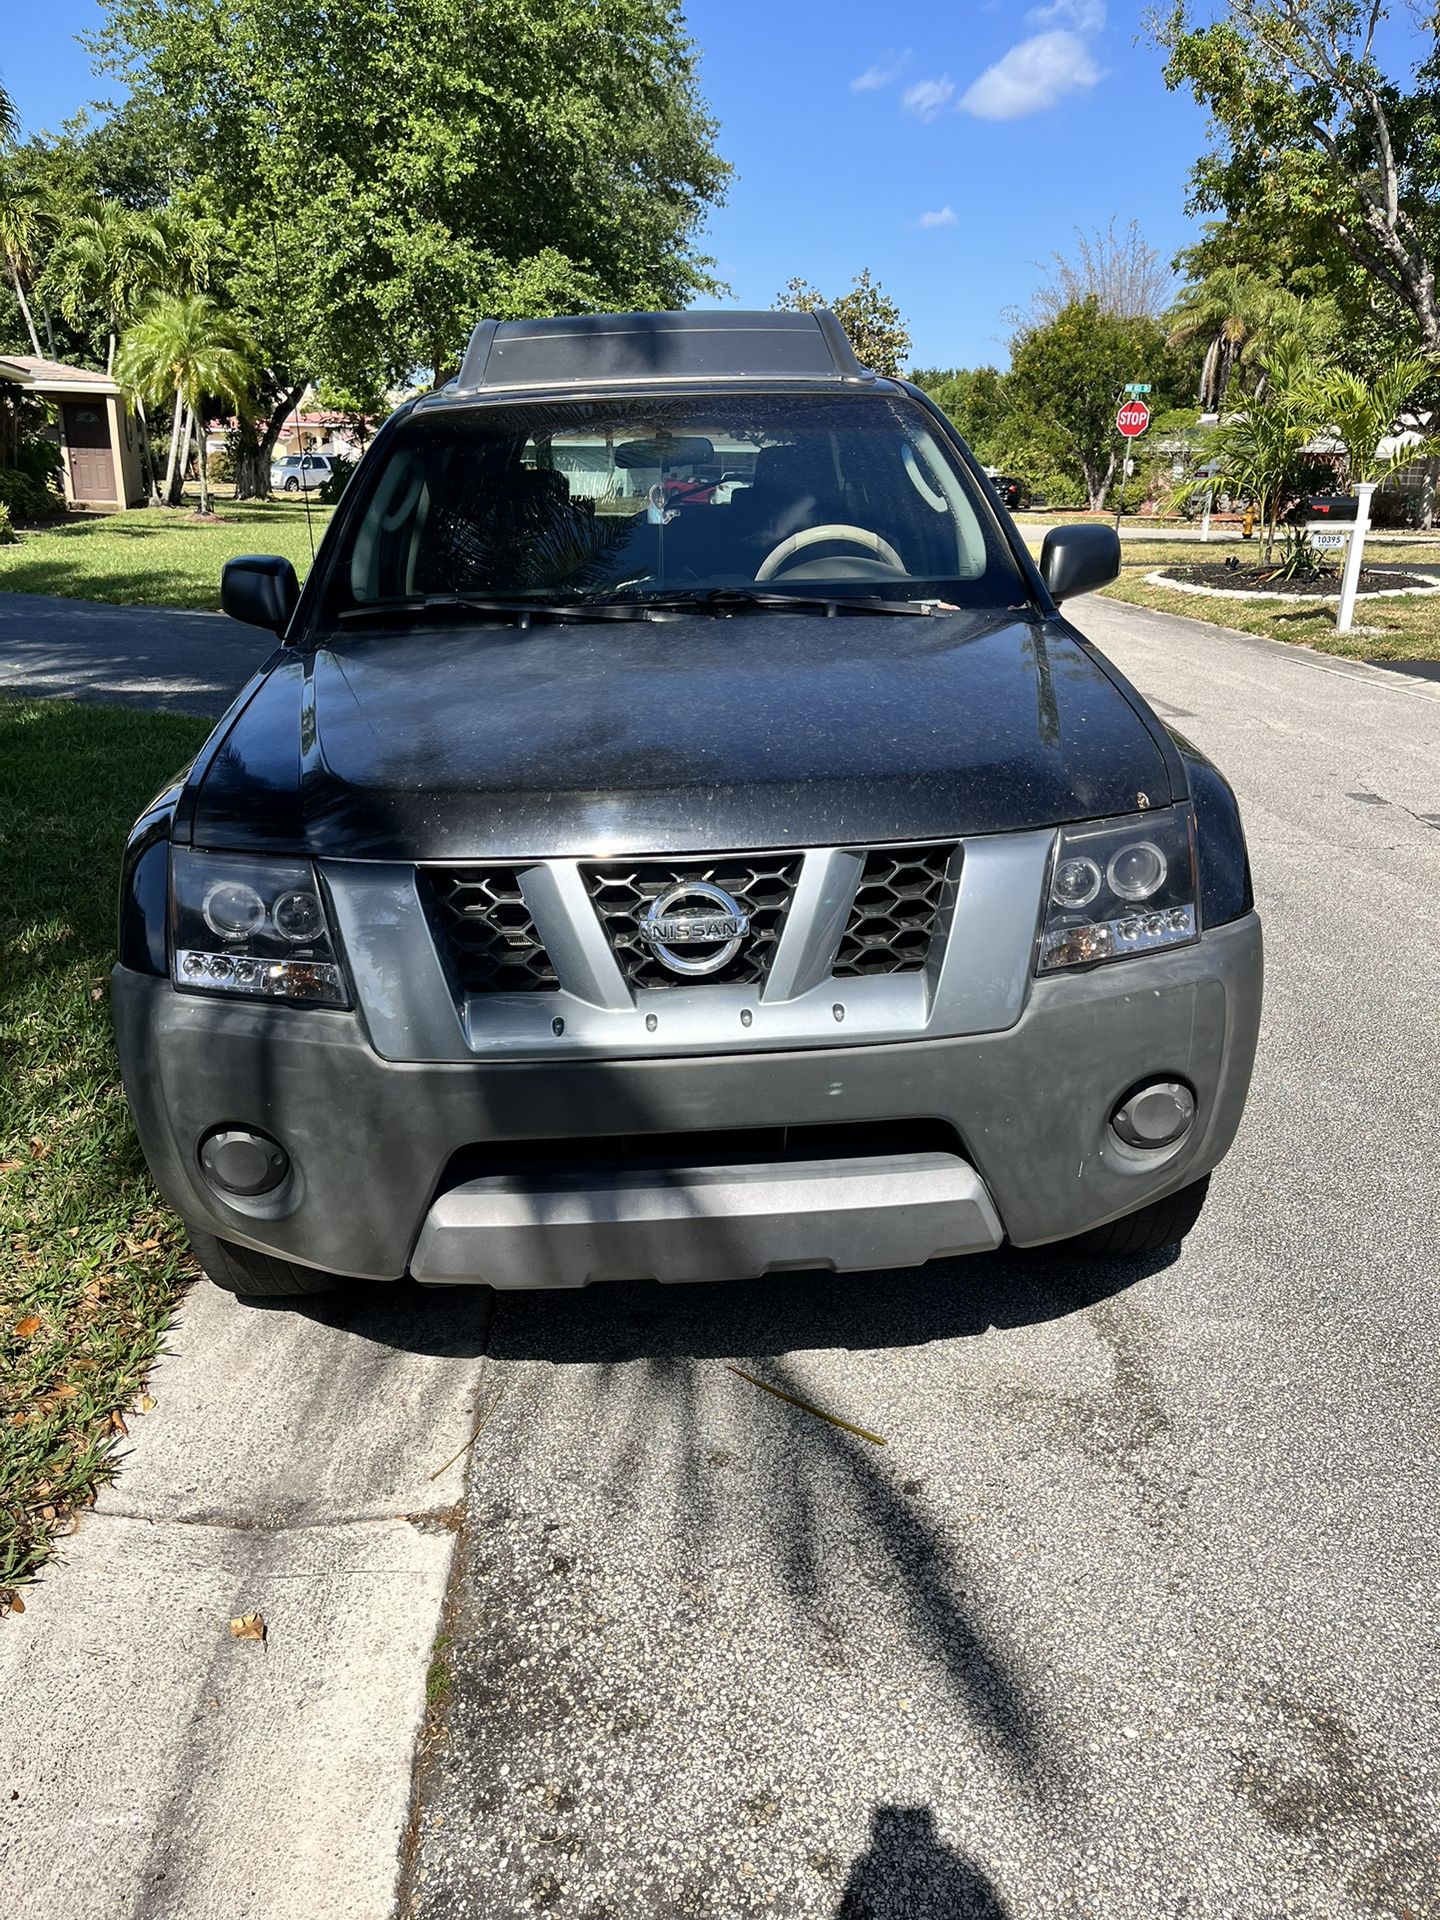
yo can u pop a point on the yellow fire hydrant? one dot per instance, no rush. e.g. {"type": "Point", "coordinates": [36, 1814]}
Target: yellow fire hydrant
{"type": "Point", "coordinates": [1247, 525]}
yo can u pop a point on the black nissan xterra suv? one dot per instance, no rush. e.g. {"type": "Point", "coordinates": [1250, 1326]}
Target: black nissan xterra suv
{"type": "Point", "coordinates": [678, 835]}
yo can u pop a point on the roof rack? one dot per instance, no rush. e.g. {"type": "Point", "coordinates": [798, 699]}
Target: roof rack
{"type": "Point", "coordinates": [620, 349]}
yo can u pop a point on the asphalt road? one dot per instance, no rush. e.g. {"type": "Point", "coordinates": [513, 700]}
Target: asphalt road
{"type": "Point", "coordinates": [1134, 1613]}
{"type": "Point", "coordinates": [124, 656]}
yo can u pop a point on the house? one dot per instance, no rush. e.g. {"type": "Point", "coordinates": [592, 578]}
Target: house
{"type": "Point", "coordinates": [99, 445]}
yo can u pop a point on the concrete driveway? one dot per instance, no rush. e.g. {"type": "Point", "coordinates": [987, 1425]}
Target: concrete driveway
{"type": "Point", "coordinates": [124, 656]}
{"type": "Point", "coordinates": [1131, 1617]}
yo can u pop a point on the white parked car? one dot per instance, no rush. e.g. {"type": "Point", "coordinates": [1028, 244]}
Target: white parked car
{"type": "Point", "coordinates": [297, 470]}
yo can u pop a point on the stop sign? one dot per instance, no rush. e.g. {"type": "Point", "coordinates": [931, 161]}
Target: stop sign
{"type": "Point", "coordinates": [1133, 418]}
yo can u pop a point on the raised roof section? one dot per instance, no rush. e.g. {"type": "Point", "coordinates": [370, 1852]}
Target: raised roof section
{"type": "Point", "coordinates": [616, 349]}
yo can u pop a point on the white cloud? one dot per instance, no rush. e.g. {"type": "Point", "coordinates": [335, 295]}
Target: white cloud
{"type": "Point", "coordinates": [927, 97]}
{"type": "Point", "coordinates": [882, 74]}
{"type": "Point", "coordinates": [1031, 77]}
{"type": "Point", "coordinates": [1085, 16]}
{"type": "Point", "coordinates": [943, 217]}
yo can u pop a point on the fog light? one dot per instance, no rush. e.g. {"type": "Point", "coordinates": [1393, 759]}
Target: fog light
{"type": "Point", "coordinates": [1155, 1115]}
{"type": "Point", "coordinates": [237, 1161]}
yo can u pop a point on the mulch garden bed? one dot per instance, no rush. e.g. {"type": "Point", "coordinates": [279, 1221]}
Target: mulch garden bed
{"type": "Point", "coordinates": [1263, 579]}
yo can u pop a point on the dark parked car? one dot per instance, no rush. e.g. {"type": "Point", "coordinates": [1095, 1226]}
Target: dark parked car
{"type": "Point", "coordinates": [1011, 491]}
{"type": "Point", "coordinates": [604, 878]}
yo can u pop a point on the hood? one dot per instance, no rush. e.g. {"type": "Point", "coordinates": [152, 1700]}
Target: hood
{"type": "Point", "coordinates": [702, 734]}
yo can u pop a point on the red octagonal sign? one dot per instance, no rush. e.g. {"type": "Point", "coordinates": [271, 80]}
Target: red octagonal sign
{"type": "Point", "coordinates": [1133, 418]}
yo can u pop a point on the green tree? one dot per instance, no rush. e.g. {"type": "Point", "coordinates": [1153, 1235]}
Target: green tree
{"type": "Point", "coordinates": [872, 320]}
{"type": "Point", "coordinates": [382, 187]}
{"type": "Point", "coordinates": [186, 349]}
{"type": "Point", "coordinates": [974, 398]}
{"type": "Point", "coordinates": [9, 120]}
{"type": "Point", "coordinates": [1068, 376]}
{"type": "Point", "coordinates": [1320, 152]}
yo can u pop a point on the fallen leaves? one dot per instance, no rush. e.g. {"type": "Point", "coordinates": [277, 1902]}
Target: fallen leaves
{"type": "Point", "coordinates": [248, 1626]}
{"type": "Point", "coordinates": [27, 1328]}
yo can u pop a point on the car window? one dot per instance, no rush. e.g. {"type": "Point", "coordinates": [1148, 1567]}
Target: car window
{"type": "Point", "coordinates": [847, 494]}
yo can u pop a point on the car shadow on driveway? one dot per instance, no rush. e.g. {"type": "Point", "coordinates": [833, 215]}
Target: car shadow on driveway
{"type": "Point", "coordinates": [614, 1322]}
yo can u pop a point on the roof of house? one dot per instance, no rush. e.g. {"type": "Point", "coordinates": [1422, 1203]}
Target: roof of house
{"type": "Point", "coordinates": [25, 370]}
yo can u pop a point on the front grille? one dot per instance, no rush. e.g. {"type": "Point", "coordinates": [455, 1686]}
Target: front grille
{"type": "Point", "coordinates": [761, 885]}
{"type": "Point", "coordinates": [491, 937]}
{"type": "Point", "coordinates": [897, 906]}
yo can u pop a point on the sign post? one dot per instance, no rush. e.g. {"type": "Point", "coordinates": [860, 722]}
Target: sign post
{"type": "Point", "coordinates": [1131, 421]}
{"type": "Point", "coordinates": [1350, 579]}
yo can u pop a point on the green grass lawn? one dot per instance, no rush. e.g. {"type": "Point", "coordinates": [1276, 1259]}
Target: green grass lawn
{"type": "Point", "coordinates": [155, 556]}
{"type": "Point", "coordinates": [1385, 629]}
{"type": "Point", "coordinates": [91, 1257]}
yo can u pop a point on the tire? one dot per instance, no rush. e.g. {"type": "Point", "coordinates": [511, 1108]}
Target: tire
{"type": "Point", "coordinates": [255, 1276]}
{"type": "Point", "coordinates": [292, 486]}
{"type": "Point", "coordinates": [1164, 1223]}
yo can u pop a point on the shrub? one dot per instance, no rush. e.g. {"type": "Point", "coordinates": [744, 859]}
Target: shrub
{"type": "Point", "coordinates": [26, 498]}
{"type": "Point", "coordinates": [341, 470]}
{"type": "Point", "coordinates": [220, 467]}
{"type": "Point", "coordinates": [1391, 507]}
{"type": "Point", "coordinates": [8, 535]}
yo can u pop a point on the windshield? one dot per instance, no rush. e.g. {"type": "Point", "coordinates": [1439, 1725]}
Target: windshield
{"type": "Point", "coordinates": [850, 496]}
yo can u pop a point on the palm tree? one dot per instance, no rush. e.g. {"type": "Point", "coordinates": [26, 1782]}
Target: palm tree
{"type": "Point", "coordinates": [186, 348]}
{"type": "Point", "coordinates": [114, 259]}
{"type": "Point", "coordinates": [1362, 413]}
{"type": "Point", "coordinates": [9, 120]}
{"type": "Point", "coordinates": [22, 221]}
{"type": "Point", "coordinates": [1258, 453]}
{"type": "Point", "coordinates": [1294, 333]}
{"type": "Point", "coordinates": [1225, 307]}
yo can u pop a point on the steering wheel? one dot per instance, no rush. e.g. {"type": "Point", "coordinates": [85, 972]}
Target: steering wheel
{"type": "Point", "coordinates": [778, 558]}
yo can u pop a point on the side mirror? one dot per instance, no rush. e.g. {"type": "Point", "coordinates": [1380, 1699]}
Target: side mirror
{"type": "Point", "coordinates": [260, 589]}
{"type": "Point", "coordinates": [1079, 559]}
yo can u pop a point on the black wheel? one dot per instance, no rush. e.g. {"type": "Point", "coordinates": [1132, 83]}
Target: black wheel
{"type": "Point", "coordinates": [255, 1276]}
{"type": "Point", "coordinates": [292, 486]}
{"type": "Point", "coordinates": [1162, 1224]}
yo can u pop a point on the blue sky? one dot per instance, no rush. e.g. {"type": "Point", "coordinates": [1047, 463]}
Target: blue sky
{"type": "Point", "coordinates": [948, 147]}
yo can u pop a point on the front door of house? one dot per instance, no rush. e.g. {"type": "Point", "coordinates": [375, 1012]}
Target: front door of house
{"type": "Point", "coordinates": [92, 464]}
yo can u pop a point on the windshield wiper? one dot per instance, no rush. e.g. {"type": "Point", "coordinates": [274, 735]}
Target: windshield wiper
{"type": "Point", "coordinates": [516, 609]}
{"type": "Point", "coordinates": [718, 600]}
{"type": "Point", "coordinates": [750, 599]}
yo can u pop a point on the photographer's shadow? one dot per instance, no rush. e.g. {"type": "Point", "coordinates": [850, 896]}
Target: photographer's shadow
{"type": "Point", "coordinates": [908, 1873]}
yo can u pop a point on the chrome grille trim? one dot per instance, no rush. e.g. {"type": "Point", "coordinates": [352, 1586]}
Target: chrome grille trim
{"type": "Point", "coordinates": [761, 884]}
{"type": "Point", "coordinates": [976, 979]}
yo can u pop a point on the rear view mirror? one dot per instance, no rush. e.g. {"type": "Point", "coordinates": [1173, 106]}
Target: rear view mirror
{"type": "Point", "coordinates": [1079, 559]}
{"type": "Point", "coordinates": [665, 450]}
{"type": "Point", "coordinates": [260, 589]}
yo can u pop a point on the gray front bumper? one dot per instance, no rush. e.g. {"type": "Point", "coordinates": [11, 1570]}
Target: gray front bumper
{"type": "Point", "coordinates": [371, 1138]}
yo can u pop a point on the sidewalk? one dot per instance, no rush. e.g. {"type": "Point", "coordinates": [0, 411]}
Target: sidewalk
{"type": "Point", "coordinates": [152, 1764]}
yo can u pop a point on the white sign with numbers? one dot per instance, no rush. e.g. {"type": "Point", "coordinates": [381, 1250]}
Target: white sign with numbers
{"type": "Point", "coordinates": [1328, 540]}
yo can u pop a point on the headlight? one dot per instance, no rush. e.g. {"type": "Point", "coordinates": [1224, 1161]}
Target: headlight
{"type": "Point", "coordinates": [1120, 887]}
{"type": "Point", "coordinates": [251, 926]}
